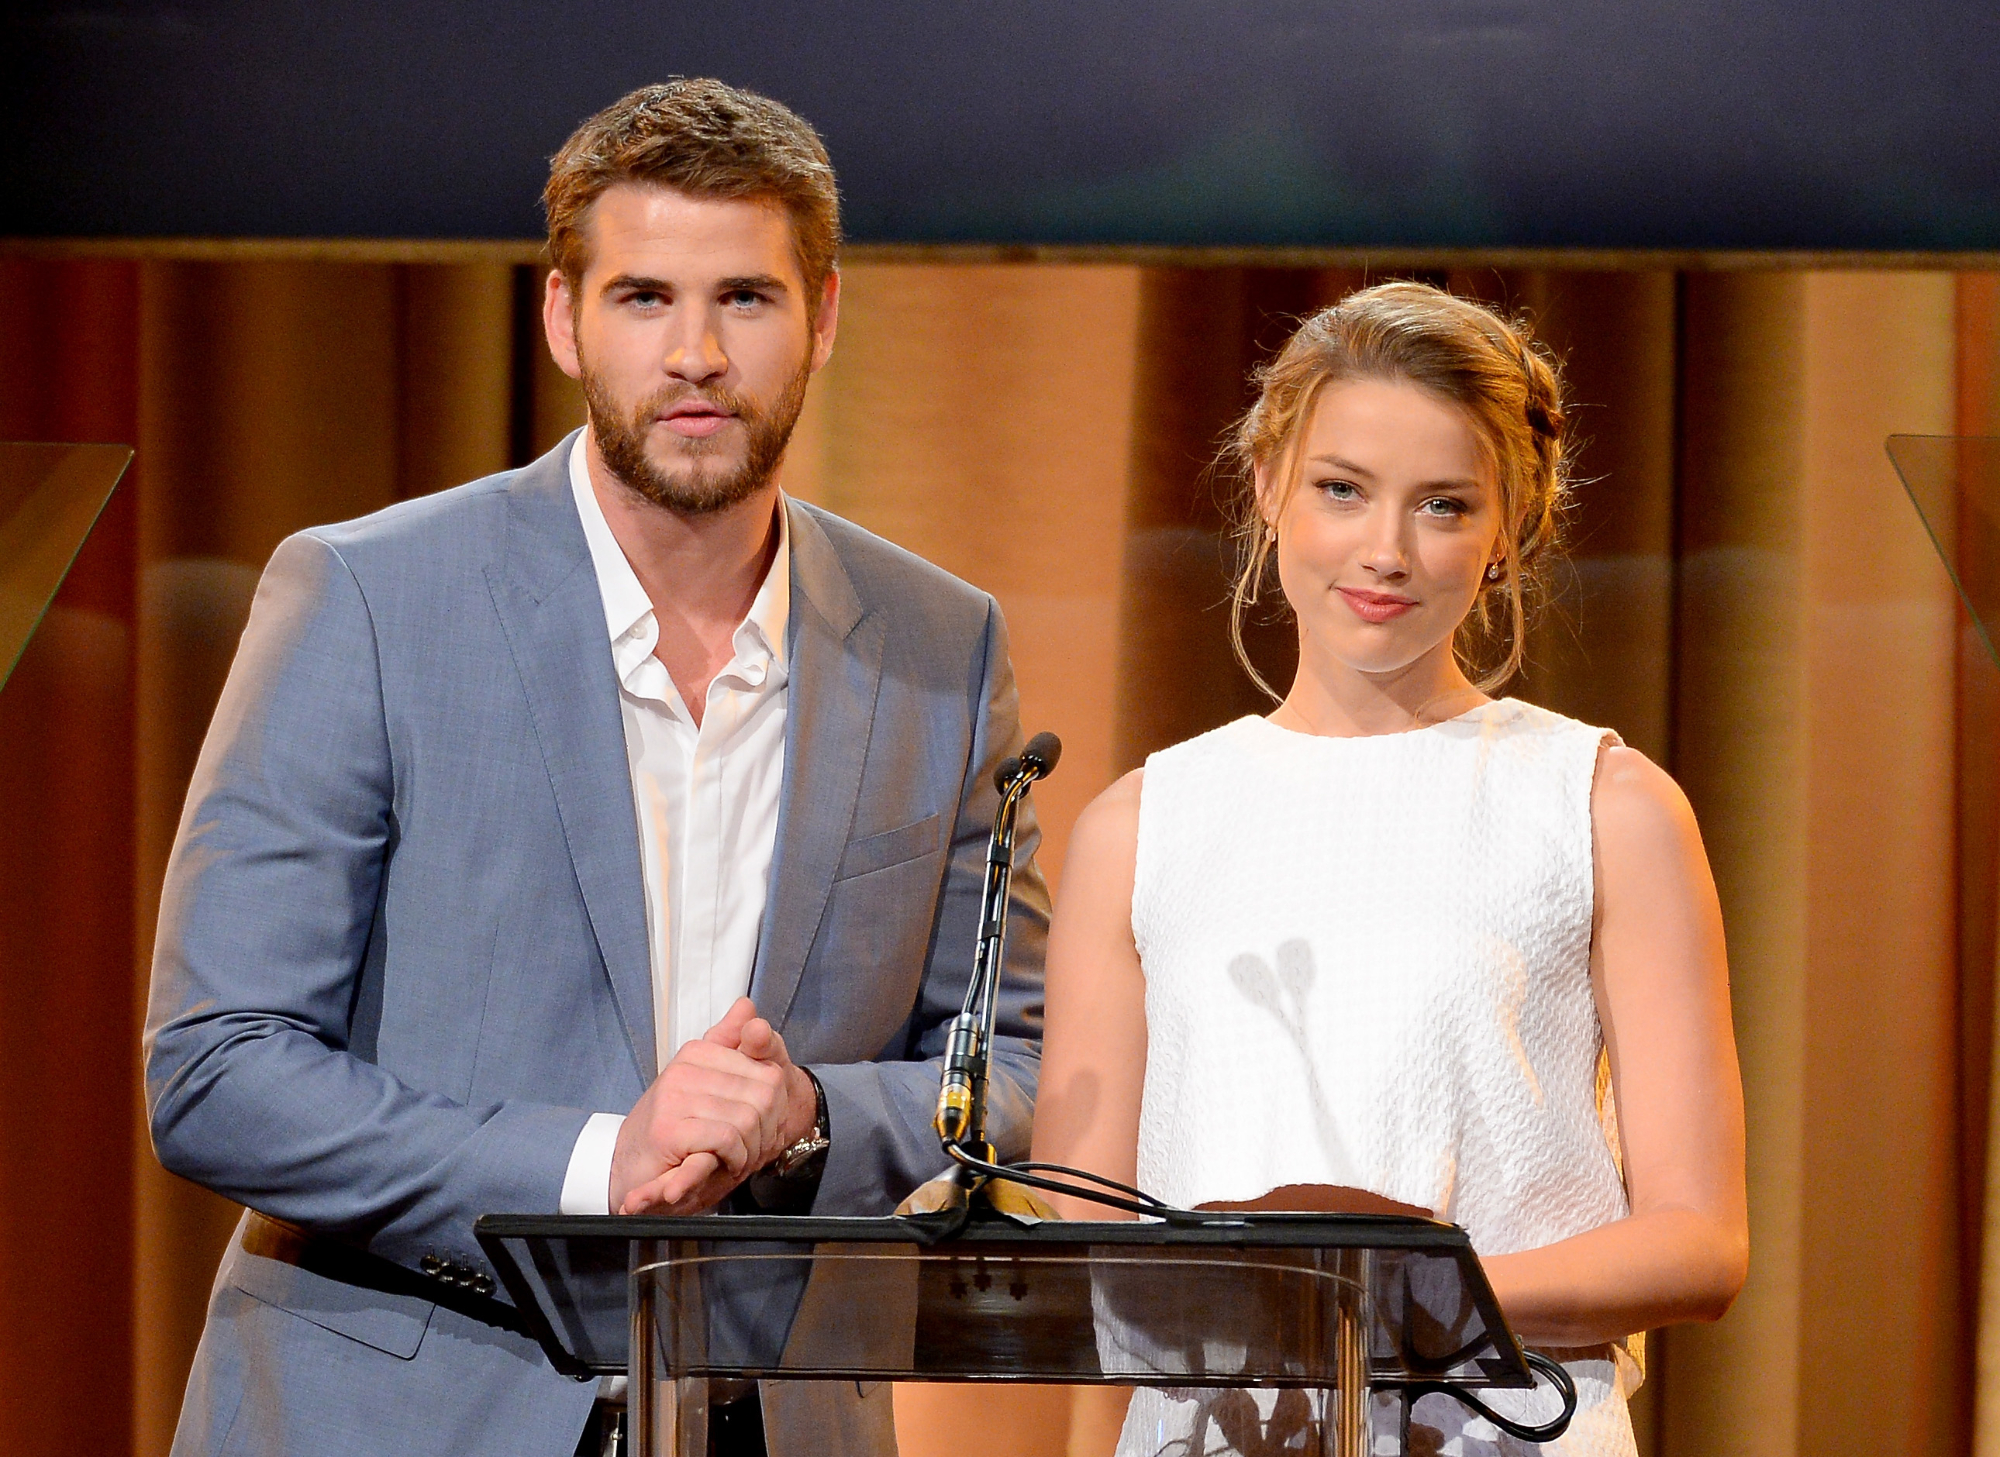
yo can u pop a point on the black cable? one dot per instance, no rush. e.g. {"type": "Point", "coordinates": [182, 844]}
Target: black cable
{"type": "Point", "coordinates": [1140, 1194]}
{"type": "Point", "coordinates": [1521, 1431]}
{"type": "Point", "coordinates": [1146, 1206]}
{"type": "Point", "coordinates": [1015, 1174]}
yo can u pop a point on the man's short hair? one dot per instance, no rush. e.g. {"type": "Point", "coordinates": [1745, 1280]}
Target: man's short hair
{"type": "Point", "coordinates": [706, 139]}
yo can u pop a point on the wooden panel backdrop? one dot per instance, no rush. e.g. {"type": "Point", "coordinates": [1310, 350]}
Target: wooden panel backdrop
{"type": "Point", "coordinates": [1749, 600]}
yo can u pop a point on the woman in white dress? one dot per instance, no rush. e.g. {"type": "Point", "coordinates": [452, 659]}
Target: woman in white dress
{"type": "Point", "coordinates": [1402, 946]}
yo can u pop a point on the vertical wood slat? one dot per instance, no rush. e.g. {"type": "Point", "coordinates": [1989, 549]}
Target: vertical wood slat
{"type": "Point", "coordinates": [454, 374]}
{"type": "Point", "coordinates": [1978, 413]}
{"type": "Point", "coordinates": [68, 1028]}
{"type": "Point", "coordinates": [1741, 755]}
{"type": "Point", "coordinates": [1881, 1045]}
{"type": "Point", "coordinates": [1978, 787]}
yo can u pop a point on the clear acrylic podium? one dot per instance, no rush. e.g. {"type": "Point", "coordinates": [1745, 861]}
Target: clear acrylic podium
{"type": "Point", "coordinates": [1954, 482]}
{"type": "Point", "coordinates": [50, 497]}
{"type": "Point", "coordinates": [1344, 1305]}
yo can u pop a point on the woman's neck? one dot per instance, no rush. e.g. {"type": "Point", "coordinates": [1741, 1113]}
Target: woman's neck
{"type": "Point", "coordinates": [1338, 701]}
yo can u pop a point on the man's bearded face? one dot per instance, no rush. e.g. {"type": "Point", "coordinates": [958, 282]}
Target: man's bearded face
{"type": "Point", "coordinates": [693, 476]}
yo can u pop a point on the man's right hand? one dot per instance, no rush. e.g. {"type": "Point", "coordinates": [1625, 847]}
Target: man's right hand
{"type": "Point", "coordinates": [710, 1120]}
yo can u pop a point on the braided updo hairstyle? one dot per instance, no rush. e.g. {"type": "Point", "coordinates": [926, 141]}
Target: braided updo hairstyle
{"type": "Point", "coordinates": [1463, 353]}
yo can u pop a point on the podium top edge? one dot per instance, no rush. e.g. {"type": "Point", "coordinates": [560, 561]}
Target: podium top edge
{"type": "Point", "coordinates": [1258, 1230]}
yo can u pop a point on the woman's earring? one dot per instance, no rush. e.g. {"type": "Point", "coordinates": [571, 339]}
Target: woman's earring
{"type": "Point", "coordinates": [1493, 571]}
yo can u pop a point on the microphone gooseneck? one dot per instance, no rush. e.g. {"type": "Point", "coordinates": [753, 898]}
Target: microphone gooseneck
{"type": "Point", "coordinates": [961, 1107]}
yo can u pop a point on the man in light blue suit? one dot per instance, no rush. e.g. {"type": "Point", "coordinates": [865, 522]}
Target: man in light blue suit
{"type": "Point", "coordinates": [514, 796]}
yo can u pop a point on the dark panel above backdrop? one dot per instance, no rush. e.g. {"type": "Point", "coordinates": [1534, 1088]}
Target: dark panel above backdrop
{"type": "Point", "coordinates": [1457, 123]}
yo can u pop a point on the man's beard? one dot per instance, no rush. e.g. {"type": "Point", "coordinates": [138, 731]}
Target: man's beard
{"type": "Point", "coordinates": [695, 491]}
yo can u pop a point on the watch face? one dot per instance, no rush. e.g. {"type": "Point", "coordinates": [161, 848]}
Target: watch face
{"type": "Point", "coordinates": [799, 1155]}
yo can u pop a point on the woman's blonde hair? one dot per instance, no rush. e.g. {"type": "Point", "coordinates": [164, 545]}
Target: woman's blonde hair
{"type": "Point", "coordinates": [1462, 352]}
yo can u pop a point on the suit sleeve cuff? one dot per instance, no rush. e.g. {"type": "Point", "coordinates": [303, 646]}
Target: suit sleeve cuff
{"type": "Point", "coordinates": [587, 1186]}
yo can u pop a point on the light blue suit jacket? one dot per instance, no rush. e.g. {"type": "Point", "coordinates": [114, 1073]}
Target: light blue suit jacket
{"type": "Point", "coordinates": [402, 952]}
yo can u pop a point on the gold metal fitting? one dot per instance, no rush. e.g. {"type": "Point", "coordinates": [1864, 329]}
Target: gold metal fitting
{"type": "Point", "coordinates": [954, 1113]}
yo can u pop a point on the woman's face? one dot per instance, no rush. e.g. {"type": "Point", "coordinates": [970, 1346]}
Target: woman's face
{"type": "Point", "coordinates": [1384, 545]}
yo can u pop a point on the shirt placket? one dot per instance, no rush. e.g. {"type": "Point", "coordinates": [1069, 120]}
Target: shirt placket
{"type": "Point", "coordinates": [708, 808]}
{"type": "Point", "coordinates": [696, 947]}
{"type": "Point", "coordinates": [665, 735]}
{"type": "Point", "coordinates": [659, 849]}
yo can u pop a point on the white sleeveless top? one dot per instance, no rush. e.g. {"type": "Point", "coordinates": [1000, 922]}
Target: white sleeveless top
{"type": "Point", "coordinates": [1367, 965]}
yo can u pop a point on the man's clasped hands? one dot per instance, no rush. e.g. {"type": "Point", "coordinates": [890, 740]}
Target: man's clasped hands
{"type": "Point", "coordinates": [727, 1104]}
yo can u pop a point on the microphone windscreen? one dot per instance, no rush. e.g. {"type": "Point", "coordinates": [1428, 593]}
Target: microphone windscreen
{"type": "Point", "coordinates": [1043, 750]}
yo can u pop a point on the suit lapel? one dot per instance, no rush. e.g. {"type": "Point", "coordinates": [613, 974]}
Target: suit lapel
{"type": "Point", "coordinates": [553, 615]}
{"type": "Point", "coordinates": [835, 675]}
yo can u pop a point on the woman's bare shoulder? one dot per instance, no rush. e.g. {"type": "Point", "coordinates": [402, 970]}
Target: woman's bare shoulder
{"type": "Point", "coordinates": [1122, 797]}
{"type": "Point", "coordinates": [1635, 805]}
{"type": "Point", "coordinates": [1107, 832]}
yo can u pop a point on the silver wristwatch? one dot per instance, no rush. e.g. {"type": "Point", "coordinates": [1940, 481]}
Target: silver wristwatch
{"type": "Point", "coordinates": [803, 1157]}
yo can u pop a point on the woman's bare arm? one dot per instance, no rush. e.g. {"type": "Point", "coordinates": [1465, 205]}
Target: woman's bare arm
{"type": "Point", "coordinates": [1662, 982]}
{"type": "Point", "coordinates": [1094, 1039]}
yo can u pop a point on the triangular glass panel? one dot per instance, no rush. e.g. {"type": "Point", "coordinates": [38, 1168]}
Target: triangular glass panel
{"type": "Point", "coordinates": [50, 497]}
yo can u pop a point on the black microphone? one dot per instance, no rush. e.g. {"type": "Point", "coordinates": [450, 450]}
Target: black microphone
{"type": "Point", "coordinates": [961, 1107]}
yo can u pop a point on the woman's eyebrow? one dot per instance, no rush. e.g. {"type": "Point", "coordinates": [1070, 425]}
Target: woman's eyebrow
{"type": "Point", "coordinates": [1443, 483]}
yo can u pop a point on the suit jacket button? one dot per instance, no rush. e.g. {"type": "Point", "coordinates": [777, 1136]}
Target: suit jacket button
{"type": "Point", "coordinates": [431, 1265]}
{"type": "Point", "coordinates": [483, 1284]}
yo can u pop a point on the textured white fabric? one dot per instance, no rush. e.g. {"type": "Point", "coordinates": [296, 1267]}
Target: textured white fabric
{"type": "Point", "coordinates": [1367, 965]}
{"type": "Point", "coordinates": [706, 798]}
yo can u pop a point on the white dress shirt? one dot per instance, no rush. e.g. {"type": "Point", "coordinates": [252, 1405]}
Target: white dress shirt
{"type": "Point", "coordinates": [706, 797]}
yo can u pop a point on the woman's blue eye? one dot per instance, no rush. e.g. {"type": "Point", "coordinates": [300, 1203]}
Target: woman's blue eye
{"type": "Point", "coordinates": [1339, 490]}
{"type": "Point", "coordinates": [1443, 506]}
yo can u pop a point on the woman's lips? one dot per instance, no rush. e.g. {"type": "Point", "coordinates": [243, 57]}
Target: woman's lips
{"type": "Point", "coordinates": [1375, 606]}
